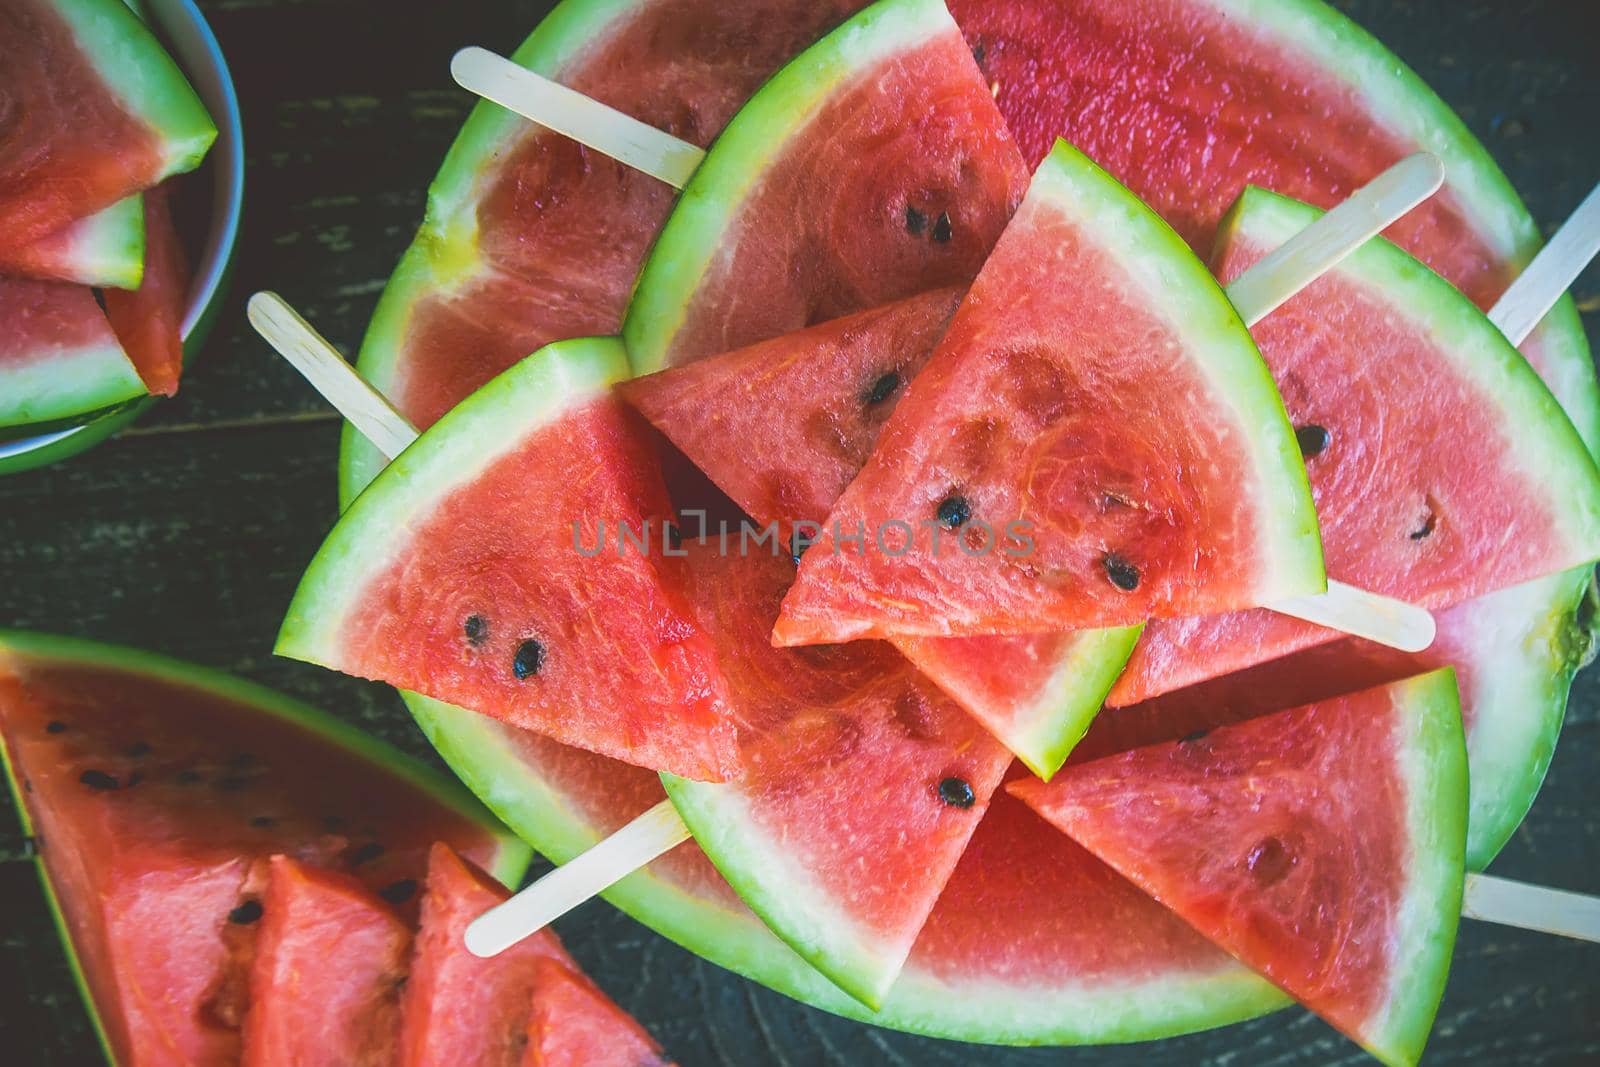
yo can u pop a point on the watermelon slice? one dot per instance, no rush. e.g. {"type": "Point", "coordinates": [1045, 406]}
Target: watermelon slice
{"type": "Point", "coordinates": [1322, 846]}
{"type": "Point", "coordinates": [511, 255]}
{"type": "Point", "coordinates": [97, 111]}
{"type": "Point", "coordinates": [807, 408]}
{"type": "Point", "coordinates": [1028, 480]}
{"type": "Point", "coordinates": [851, 756]}
{"type": "Point", "coordinates": [58, 355]}
{"type": "Point", "coordinates": [104, 249]}
{"type": "Point", "coordinates": [872, 167]}
{"type": "Point", "coordinates": [156, 791]}
{"type": "Point", "coordinates": [459, 1009]}
{"type": "Point", "coordinates": [1442, 466]}
{"type": "Point", "coordinates": [329, 967]}
{"type": "Point", "coordinates": [486, 567]}
{"type": "Point", "coordinates": [574, 1024]}
{"type": "Point", "coordinates": [148, 318]}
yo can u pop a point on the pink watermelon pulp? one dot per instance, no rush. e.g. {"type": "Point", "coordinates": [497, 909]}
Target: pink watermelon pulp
{"type": "Point", "coordinates": [156, 792]}
{"type": "Point", "coordinates": [149, 320]}
{"type": "Point", "coordinates": [58, 355]}
{"type": "Point", "coordinates": [574, 1024]}
{"type": "Point", "coordinates": [104, 249]}
{"type": "Point", "coordinates": [330, 963]}
{"type": "Point", "coordinates": [1322, 846]}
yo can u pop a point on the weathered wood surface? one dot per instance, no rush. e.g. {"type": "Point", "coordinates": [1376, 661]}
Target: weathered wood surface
{"type": "Point", "coordinates": [187, 533]}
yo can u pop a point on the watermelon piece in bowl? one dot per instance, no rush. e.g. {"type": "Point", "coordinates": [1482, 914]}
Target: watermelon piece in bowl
{"type": "Point", "coordinates": [1442, 466]}
{"type": "Point", "coordinates": [104, 249]}
{"type": "Point", "coordinates": [155, 793]}
{"type": "Point", "coordinates": [486, 566]}
{"type": "Point", "coordinates": [1323, 846]}
{"type": "Point", "coordinates": [58, 356]}
{"type": "Point", "coordinates": [1058, 466]}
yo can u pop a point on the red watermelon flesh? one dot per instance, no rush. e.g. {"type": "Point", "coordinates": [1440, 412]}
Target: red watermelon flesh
{"type": "Point", "coordinates": [459, 1009]}
{"type": "Point", "coordinates": [574, 1024]}
{"type": "Point", "coordinates": [149, 320]}
{"type": "Point", "coordinates": [1441, 466]}
{"type": "Point", "coordinates": [562, 228]}
{"type": "Point", "coordinates": [1322, 846]}
{"type": "Point", "coordinates": [58, 355]}
{"type": "Point", "coordinates": [155, 804]}
{"type": "Point", "coordinates": [330, 964]}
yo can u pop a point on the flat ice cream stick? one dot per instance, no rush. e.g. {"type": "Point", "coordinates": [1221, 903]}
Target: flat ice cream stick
{"type": "Point", "coordinates": [587, 875]}
{"type": "Point", "coordinates": [567, 111]}
{"type": "Point", "coordinates": [367, 409]}
{"type": "Point", "coordinates": [1370, 615]}
{"type": "Point", "coordinates": [1316, 249]}
{"type": "Point", "coordinates": [1538, 287]}
{"type": "Point", "coordinates": [1531, 907]}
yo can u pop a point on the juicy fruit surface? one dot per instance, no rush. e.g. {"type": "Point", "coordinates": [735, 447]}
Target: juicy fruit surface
{"type": "Point", "coordinates": [805, 408]}
{"type": "Point", "coordinates": [849, 181]}
{"type": "Point", "coordinates": [154, 807]}
{"type": "Point", "coordinates": [863, 781]}
{"type": "Point", "coordinates": [329, 967]}
{"type": "Point", "coordinates": [459, 1009]}
{"type": "Point", "coordinates": [58, 355]}
{"type": "Point", "coordinates": [574, 1024]}
{"type": "Point", "coordinates": [106, 248]}
{"type": "Point", "coordinates": [148, 320]}
{"type": "Point", "coordinates": [1322, 846]}
{"type": "Point", "coordinates": [1441, 466]}
{"type": "Point", "coordinates": [1043, 472]}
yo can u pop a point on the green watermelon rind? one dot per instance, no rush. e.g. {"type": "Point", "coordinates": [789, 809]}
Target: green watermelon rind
{"type": "Point", "coordinates": [444, 254]}
{"type": "Point", "coordinates": [742, 154]}
{"type": "Point", "coordinates": [1432, 759]}
{"type": "Point", "coordinates": [134, 66]}
{"type": "Point", "coordinates": [72, 381]}
{"type": "Point", "coordinates": [512, 854]}
{"type": "Point", "coordinates": [488, 425]}
{"type": "Point", "coordinates": [106, 249]}
{"type": "Point", "coordinates": [481, 752]}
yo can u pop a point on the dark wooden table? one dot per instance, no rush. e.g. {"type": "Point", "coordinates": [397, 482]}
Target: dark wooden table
{"type": "Point", "coordinates": [187, 533]}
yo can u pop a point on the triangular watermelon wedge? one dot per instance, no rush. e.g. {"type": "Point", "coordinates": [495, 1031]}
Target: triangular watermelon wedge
{"type": "Point", "coordinates": [105, 249]}
{"type": "Point", "coordinates": [574, 1024]}
{"type": "Point", "coordinates": [865, 782]}
{"type": "Point", "coordinates": [783, 426]}
{"type": "Point", "coordinates": [1442, 466]}
{"type": "Point", "coordinates": [486, 567]}
{"type": "Point", "coordinates": [103, 110]}
{"type": "Point", "coordinates": [155, 792]}
{"type": "Point", "coordinates": [872, 167]}
{"type": "Point", "coordinates": [1322, 846]}
{"type": "Point", "coordinates": [329, 967]}
{"type": "Point", "coordinates": [148, 317]}
{"type": "Point", "coordinates": [58, 355]}
{"type": "Point", "coordinates": [1096, 442]}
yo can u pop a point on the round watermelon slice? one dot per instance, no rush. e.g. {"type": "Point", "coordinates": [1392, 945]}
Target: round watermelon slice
{"type": "Point", "coordinates": [105, 249]}
{"type": "Point", "coordinates": [97, 110]}
{"type": "Point", "coordinates": [1322, 846]}
{"type": "Point", "coordinates": [488, 566]}
{"type": "Point", "coordinates": [58, 356]}
{"type": "Point", "coordinates": [155, 792]}
{"type": "Point", "coordinates": [872, 167]}
{"type": "Point", "coordinates": [1095, 442]}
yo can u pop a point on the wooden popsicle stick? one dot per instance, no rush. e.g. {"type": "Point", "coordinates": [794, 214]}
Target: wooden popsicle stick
{"type": "Point", "coordinates": [653, 833]}
{"type": "Point", "coordinates": [1316, 249]}
{"type": "Point", "coordinates": [367, 409]}
{"type": "Point", "coordinates": [1360, 613]}
{"type": "Point", "coordinates": [569, 112]}
{"type": "Point", "coordinates": [1558, 263]}
{"type": "Point", "coordinates": [1531, 907]}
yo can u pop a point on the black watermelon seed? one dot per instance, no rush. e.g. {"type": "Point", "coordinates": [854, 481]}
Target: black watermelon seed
{"type": "Point", "coordinates": [957, 792]}
{"type": "Point", "coordinates": [97, 780]}
{"type": "Point", "coordinates": [1122, 574]}
{"type": "Point", "coordinates": [883, 388]}
{"type": "Point", "coordinates": [55, 726]}
{"type": "Point", "coordinates": [477, 629]}
{"type": "Point", "coordinates": [1269, 861]}
{"type": "Point", "coordinates": [942, 230]}
{"type": "Point", "coordinates": [263, 822]}
{"type": "Point", "coordinates": [366, 853]}
{"type": "Point", "coordinates": [798, 543]}
{"type": "Point", "coordinates": [1426, 529]}
{"type": "Point", "coordinates": [1312, 439]}
{"type": "Point", "coordinates": [674, 536]}
{"type": "Point", "coordinates": [916, 221]}
{"type": "Point", "coordinates": [245, 913]}
{"type": "Point", "coordinates": [139, 748]}
{"type": "Point", "coordinates": [978, 53]}
{"type": "Point", "coordinates": [399, 892]}
{"type": "Point", "coordinates": [954, 511]}
{"type": "Point", "coordinates": [188, 777]}
{"type": "Point", "coordinates": [529, 659]}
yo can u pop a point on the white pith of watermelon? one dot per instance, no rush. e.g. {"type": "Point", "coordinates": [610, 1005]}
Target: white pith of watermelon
{"type": "Point", "coordinates": [105, 249]}
{"type": "Point", "coordinates": [1322, 845]}
{"type": "Point", "coordinates": [1152, 435]}
{"type": "Point", "coordinates": [806, 197]}
{"type": "Point", "coordinates": [20, 652]}
{"type": "Point", "coordinates": [58, 356]}
{"type": "Point", "coordinates": [1449, 469]}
